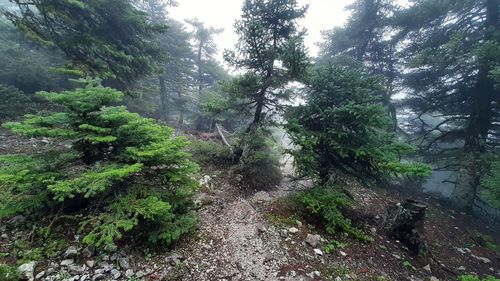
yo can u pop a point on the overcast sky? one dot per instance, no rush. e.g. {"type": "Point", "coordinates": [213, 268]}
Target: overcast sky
{"type": "Point", "coordinates": [322, 15]}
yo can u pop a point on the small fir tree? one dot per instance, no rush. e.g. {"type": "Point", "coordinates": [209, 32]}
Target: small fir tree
{"type": "Point", "coordinates": [122, 172]}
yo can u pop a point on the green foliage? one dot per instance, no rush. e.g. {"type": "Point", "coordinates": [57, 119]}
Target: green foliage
{"type": "Point", "coordinates": [268, 32]}
{"type": "Point", "coordinates": [131, 171]}
{"type": "Point", "coordinates": [24, 65]}
{"type": "Point", "coordinates": [344, 126]}
{"type": "Point", "coordinates": [444, 82]}
{"type": "Point", "coordinates": [9, 273]}
{"type": "Point", "coordinates": [219, 104]}
{"type": "Point", "coordinates": [260, 160]}
{"type": "Point", "coordinates": [326, 203]}
{"type": "Point", "coordinates": [12, 102]}
{"type": "Point", "coordinates": [211, 152]}
{"type": "Point", "coordinates": [110, 38]}
{"type": "Point", "coordinates": [333, 245]}
{"type": "Point", "coordinates": [492, 182]}
{"type": "Point", "coordinates": [476, 278]}
{"type": "Point", "coordinates": [409, 266]}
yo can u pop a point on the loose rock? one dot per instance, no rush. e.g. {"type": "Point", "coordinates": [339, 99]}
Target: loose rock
{"type": "Point", "coordinates": [90, 263]}
{"type": "Point", "coordinates": [124, 263]}
{"type": "Point", "coordinates": [115, 273]}
{"type": "Point", "coordinates": [129, 273]}
{"type": "Point", "coordinates": [318, 252]}
{"type": "Point", "coordinates": [67, 262]}
{"type": "Point", "coordinates": [40, 275]}
{"type": "Point", "coordinates": [313, 240]}
{"type": "Point", "coordinates": [75, 269]}
{"type": "Point", "coordinates": [71, 252]}
{"type": "Point", "coordinates": [27, 270]}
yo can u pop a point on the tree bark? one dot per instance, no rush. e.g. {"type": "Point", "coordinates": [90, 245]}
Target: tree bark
{"type": "Point", "coordinates": [406, 223]}
{"type": "Point", "coordinates": [479, 122]}
{"type": "Point", "coordinates": [163, 99]}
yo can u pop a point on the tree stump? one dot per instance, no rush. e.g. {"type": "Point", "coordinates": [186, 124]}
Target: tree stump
{"type": "Point", "coordinates": [406, 224]}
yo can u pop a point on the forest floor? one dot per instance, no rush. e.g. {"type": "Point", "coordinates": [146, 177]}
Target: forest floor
{"type": "Point", "coordinates": [259, 235]}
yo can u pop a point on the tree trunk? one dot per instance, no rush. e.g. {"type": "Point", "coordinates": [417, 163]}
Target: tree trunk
{"type": "Point", "coordinates": [200, 65]}
{"type": "Point", "coordinates": [406, 223]}
{"type": "Point", "coordinates": [181, 110]}
{"type": "Point", "coordinates": [464, 194]}
{"type": "Point", "coordinates": [479, 122]}
{"type": "Point", "coordinates": [163, 99]}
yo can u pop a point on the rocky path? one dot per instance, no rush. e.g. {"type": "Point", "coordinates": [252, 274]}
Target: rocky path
{"type": "Point", "coordinates": [235, 242]}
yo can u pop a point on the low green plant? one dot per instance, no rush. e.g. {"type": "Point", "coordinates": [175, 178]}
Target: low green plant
{"type": "Point", "coordinates": [284, 220]}
{"type": "Point", "coordinates": [333, 245]}
{"type": "Point", "coordinates": [9, 273]}
{"type": "Point", "coordinates": [130, 172]}
{"type": "Point", "coordinates": [476, 278]}
{"type": "Point", "coordinates": [326, 203]}
{"type": "Point", "coordinates": [210, 152]}
{"type": "Point", "coordinates": [409, 266]}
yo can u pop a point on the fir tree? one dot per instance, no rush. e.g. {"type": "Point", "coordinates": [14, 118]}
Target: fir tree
{"type": "Point", "coordinates": [452, 50]}
{"type": "Point", "coordinates": [107, 39]}
{"type": "Point", "coordinates": [131, 173]}
{"type": "Point", "coordinates": [344, 126]}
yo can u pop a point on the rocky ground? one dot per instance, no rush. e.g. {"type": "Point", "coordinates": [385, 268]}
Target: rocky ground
{"type": "Point", "coordinates": [258, 235]}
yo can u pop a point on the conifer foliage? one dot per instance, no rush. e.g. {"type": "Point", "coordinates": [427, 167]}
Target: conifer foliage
{"type": "Point", "coordinates": [344, 126]}
{"type": "Point", "coordinates": [123, 172]}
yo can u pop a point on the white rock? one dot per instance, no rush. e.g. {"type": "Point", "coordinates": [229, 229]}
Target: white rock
{"type": "Point", "coordinates": [344, 254]}
{"type": "Point", "coordinates": [427, 268]}
{"type": "Point", "coordinates": [338, 278]}
{"type": "Point", "coordinates": [71, 252]}
{"type": "Point", "coordinates": [124, 263]}
{"type": "Point", "coordinates": [40, 275]}
{"type": "Point", "coordinates": [67, 262]}
{"type": "Point", "coordinates": [433, 278]}
{"type": "Point", "coordinates": [76, 269]}
{"type": "Point", "coordinates": [313, 240]}
{"type": "Point", "coordinates": [299, 223]}
{"type": "Point", "coordinates": [115, 273]}
{"type": "Point", "coordinates": [90, 263]}
{"type": "Point", "coordinates": [129, 273]}
{"type": "Point", "coordinates": [318, 252]}
{"type": "Point", "coordinates": [27, 270]}
{"type": "Point", "coordinates": [462, 268]}
{"type": "Point", "coordinates": [98, 277]}
{"type": "Point", "coordinates": [85, 277]}
{"type": "Point", "coordinates": [293, 230]}
{"type": "Point", "coordinates": [483, 259]}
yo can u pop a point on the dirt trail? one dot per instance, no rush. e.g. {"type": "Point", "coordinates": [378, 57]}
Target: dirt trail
{"type": "Point", "coordinates": [235, 242]}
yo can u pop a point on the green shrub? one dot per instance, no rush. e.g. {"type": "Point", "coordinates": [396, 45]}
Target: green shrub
{"type": "Point", "coordinates": [13, 102]}
{"type": "Point", "coordinates": [9, 273]}
{"type": "Point", "coordinates": [260, 160]}
{"type": "Point", "coordinates": [325, 204]}
{"type": "Point", "coordinates": [477, 278]}
{"type": "Point", "coordinates": [210, 152]}
{"type": "Point", "coordinates": [127, 174]}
